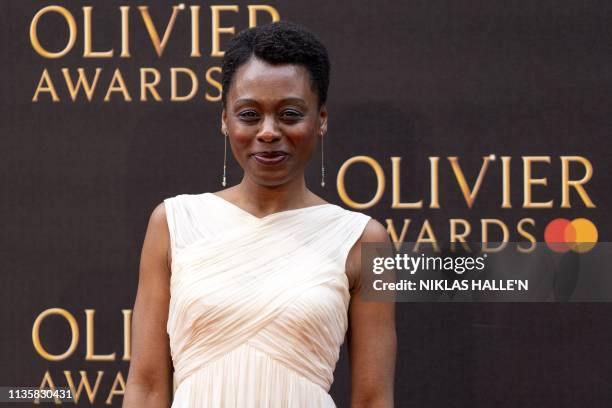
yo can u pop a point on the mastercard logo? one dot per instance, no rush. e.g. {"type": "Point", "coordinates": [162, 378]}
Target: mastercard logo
{"type": "Point", "coordinates": [579, 235]}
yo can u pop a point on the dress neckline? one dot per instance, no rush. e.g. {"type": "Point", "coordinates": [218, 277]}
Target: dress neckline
{"type": "Point", "coordinates": [250, 215]}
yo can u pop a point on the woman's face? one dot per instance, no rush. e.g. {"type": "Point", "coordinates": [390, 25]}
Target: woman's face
{"type": "Point", "coordinates": [272, 120]}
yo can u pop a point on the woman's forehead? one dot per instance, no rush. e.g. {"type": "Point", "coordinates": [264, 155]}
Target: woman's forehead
{"type": "Point", "coordinates": [257, 79]}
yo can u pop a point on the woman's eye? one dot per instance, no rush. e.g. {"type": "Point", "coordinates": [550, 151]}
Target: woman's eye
{"type": "Point", "coordinates": [249, 115]}
{"type": "Point", "coordinates": [292, 114]}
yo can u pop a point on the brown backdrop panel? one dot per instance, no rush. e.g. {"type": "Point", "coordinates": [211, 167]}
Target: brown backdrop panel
{"type": "Point", "coordinates": [409, 79]}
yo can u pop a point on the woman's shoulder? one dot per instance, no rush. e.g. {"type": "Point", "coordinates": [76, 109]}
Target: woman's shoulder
{"type": "Point", "coordinates": [186, 196]}
{"type": "Point", "coordinates": [359, 227]}
{"type": "Point", "coordinates": [373, 230]}
{"type": "Point", "coordinates": [189, 202]}
{"type": "Point", "coordinates": [354, 215]}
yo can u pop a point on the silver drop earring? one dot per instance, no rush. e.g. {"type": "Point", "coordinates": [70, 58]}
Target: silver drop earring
{"type": "Point", "coordinates": [224, 178]}
{"type": "Point", "coordinates": [322, 164]}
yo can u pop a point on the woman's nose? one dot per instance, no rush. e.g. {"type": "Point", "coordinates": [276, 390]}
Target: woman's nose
{"type": "Point", "coordinates": [269, 132]}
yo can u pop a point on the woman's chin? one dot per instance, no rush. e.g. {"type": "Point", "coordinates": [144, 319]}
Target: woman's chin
{"type": "Point", "coordinates": [271, 178]}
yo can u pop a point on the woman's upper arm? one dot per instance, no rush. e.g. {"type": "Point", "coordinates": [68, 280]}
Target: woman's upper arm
{"type": "Point", "coordinates": [151, 363]}
{"type": "Point", "coordinates": [371, 337]}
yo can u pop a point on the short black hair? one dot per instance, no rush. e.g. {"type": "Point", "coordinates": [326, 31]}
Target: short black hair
{"type": "Point", "coordinates": [280, 42]}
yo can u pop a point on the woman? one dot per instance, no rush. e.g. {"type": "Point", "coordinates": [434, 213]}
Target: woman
{"type": "Point", "coordinates": [247, 293]}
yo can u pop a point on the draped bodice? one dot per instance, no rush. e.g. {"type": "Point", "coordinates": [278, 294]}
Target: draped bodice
{"type": "Point", "coordinates": [258, 306]}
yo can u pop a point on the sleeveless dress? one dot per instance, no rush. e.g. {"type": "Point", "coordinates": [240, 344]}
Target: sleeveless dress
{"type": "Point", "coordinates": [258, 306]}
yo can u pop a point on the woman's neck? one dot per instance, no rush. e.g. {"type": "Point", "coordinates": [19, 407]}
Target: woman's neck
{"type": "Point", "coordinates": [263, 200]}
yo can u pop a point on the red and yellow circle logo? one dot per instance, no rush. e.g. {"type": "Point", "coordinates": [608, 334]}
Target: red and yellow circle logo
{"type": "Point", "coordinates": [562, 235]}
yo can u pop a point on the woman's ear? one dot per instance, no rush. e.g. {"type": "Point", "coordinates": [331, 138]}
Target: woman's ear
{"type": "Point", "coordinates": [223, 122]}
{"type": "Point", "coordinates": [323, 120]}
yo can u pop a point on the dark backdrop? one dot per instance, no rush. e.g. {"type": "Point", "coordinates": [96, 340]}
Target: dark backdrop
{"type": "Point", "coordinates": [409, 78]}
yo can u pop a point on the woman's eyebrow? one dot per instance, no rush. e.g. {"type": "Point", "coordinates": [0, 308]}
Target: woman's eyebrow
{"type": "Point", "coordinates": [284, 100]}
{"type": "Point", "coordinates": [245, 100]}
{"type": "Point", "coordinates": [294, 99]}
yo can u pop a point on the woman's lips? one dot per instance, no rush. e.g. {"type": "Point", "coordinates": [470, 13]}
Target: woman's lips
{"type": "Point", "coordinates": [270, 158]}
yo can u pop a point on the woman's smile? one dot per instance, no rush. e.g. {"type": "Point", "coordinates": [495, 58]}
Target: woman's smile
{"type": "Point", "coordinates": [270, 157]}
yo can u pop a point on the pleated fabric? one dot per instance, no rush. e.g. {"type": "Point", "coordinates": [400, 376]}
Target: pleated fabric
{"type": "Point", "coordinates": [258, 306]}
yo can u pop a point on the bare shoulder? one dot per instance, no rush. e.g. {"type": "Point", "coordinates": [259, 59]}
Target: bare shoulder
{"type": "Point", "coordinates": [374, 232]}
{"type": "Point", "coordinates": [158, 233]}
{"type": "Point", "coordinates": [155, 256]}
{"type": "Point", "coordinates": [158, 215]}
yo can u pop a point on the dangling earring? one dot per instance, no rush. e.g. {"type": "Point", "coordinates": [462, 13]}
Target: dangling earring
{"type": "Point", "coordinates": [322, 164]}
{"type": "Point", "coordinates": [224, 179]}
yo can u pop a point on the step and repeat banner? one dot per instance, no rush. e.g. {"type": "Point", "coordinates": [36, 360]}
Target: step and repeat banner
{"type": "Point", "coordinates": [449, 121]}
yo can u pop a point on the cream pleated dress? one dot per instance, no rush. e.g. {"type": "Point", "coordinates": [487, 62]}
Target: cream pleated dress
{"type": "Point", "coordinates": [258, 306]}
